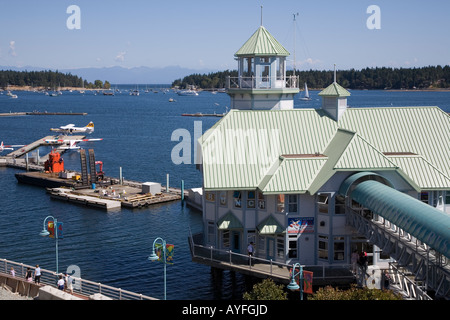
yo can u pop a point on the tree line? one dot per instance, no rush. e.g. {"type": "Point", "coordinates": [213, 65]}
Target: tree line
{"type": "Point", "coordinates": [48, 79]}
{"type": "Point", "coordinates": [380, 78]}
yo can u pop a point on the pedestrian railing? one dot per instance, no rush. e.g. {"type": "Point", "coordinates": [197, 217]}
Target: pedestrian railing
{"type": "Point", "coordinates": [260, 266]}
{"type": "Point", "coordinates": [80, 286]}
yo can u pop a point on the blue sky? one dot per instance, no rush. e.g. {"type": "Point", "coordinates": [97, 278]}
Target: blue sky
{"type": "Point", "coordinates": [205, 34]}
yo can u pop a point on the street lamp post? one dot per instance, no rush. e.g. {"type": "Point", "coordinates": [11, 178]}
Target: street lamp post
{"type": "Point", "coordinates": [45, 233]}
{"type": "Point", "coordinates": [293, 284]}
{"type": "Point", "coordinates": [154, 257]}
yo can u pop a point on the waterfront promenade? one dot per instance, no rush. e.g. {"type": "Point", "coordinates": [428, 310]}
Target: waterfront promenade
{"type": "Point", "coordinates": [17, 288]}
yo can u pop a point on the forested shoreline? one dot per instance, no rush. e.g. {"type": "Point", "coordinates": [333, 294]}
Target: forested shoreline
{"type": "Point", "coordinates": [47, 79]}
{"type": "Point", "coordinates": [380, 78]}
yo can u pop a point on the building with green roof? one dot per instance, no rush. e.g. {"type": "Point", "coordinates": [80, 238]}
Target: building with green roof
{"type": "Point", "coordinates": [282, 178]}
{"type": "Point", "coordinates": [262, 83]}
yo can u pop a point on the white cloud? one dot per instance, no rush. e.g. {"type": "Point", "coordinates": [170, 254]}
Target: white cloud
{"type": "Point", "coordinates": [121, 56]}
{"type": "Point", "coordinates": [12, 48]}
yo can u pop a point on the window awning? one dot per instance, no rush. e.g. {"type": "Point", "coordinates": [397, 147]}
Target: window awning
{"type": "Point", "coordinates": [419, 219]}
{"type": "Point", "coordinates": [229, 221]}
{"type": "Point", "coordinates": [270, 226]}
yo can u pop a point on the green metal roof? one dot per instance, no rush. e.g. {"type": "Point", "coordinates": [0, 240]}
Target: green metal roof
{"type": "Point", "coordinates": [229, 221]}
{"type": "Point", "coordinates": [249, 149]}
{"type": "Point", "coordinates": [334, 90]}
{"type": "Point", "coordinates": [420, 173]}
{"type": "Point", "coordinates": [422, 221]}
{"type": "Point", "coordinates": [294, 175]}
{"type": "Point", "coordinates": [270, 226]}
{"type": "Point", "coordinates": [262, 43]}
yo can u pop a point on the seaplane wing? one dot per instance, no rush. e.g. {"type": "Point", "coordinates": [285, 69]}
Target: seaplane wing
{"type": "Point", "coordinates": [72, 142]}
{"type": "Point", "coordinates": [70, 128]}
{"type": "Point", "coordinates": [9, 147]}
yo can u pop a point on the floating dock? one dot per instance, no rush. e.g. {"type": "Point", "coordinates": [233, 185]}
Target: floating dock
{"type": "Point", "coordinates": [107, 194]}
{"type": "Point", "coordinates": [199, 114]}
{"type": "Point", "coordinates": [37, 113]}
{"type": "Point", "coordinates": [68, 185]}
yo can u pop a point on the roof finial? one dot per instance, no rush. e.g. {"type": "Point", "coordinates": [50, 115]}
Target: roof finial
{"type": "Point", "coordinates": [261, 15]}
{"type": "Point", "coordinates": [335, 73]}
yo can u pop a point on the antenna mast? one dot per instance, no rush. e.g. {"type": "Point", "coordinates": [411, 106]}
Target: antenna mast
{"type": "Point", "coordinates": [295, 14]}
{"type": "Point", "coordinates": [335, 73]}
{"type": "Point", "coordinates": [261, 16]}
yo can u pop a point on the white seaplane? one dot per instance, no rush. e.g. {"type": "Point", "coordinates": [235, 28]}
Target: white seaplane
{"type": "Point", "coordinates": [70, 128]}
{"type": "Point", "coordinates": [71, 144]}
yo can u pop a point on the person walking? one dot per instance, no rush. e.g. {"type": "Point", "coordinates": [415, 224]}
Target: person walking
{"type": "Point", "coordinates": [37, 275]}
{"type": "Point", "coordinates": [250, 250]}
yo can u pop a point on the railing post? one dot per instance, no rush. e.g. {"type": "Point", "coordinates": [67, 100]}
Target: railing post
{"type": "Point", "coordinates": [230, 257]}
{"type": "Point", "coordinates": [211, 253]}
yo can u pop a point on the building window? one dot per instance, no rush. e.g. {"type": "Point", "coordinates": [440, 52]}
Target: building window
{"type": "Point", "coordinates": [237, 199]}
{"type": "Point", "coordinates": [292, 199]}
{"type": "Point", "coordinates": [424, 197]}
{"type": "Point", "coordinates": [322, 202]}
{"type": "Point", "coordinates": [250, 199]}
{"type": "Point", "coordinates": [323, 247]}
{"type": "Point", "coordinates": [223, 198]}
{"type": "Point", "coordinates": [280, 203]}
{"type": "Point", "coordinates": [339, 205]}
{"type": "Point", "coordinates": [226, 239]}
{"type": "Point", "coordinates": [280, 67]}
{"type": "Point", "coordinates": [261, 201]}
{"type": "Point", "coordinates": [210, 196]}
{"type": "Point", "coordinates": [339, 248]}
{"type": "Point", "coordinates": [211, 232]}
{"type": "Point", "coordinates": [251, 237]}
{"type": "Point", "coordinates": [280, 247]}
{"type": "Point", "coordinates": [292, 247]}
{"type": "Point", "coordinates": [261, 246]}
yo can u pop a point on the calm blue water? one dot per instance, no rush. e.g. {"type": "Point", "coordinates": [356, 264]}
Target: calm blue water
{"type": "Point", "coordinates": [112, 248]}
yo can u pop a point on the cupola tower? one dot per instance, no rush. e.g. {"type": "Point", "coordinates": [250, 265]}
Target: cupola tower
{"type": "Point", "coordinates": [262, 83]}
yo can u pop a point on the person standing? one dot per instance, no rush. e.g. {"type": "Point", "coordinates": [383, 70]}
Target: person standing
{"type": "Point", "coordinates": [69, 283]}
{"type": "Point", "coordinates": [37, 275]}
{"type": "Point", "coordinates": [354, 260]}
{"type": "Point", "coordinates": [13, 272]}
{"type": "Point", "coordinates": [60, 283]}
{"type": "Point", "coordinates": [29, 275]}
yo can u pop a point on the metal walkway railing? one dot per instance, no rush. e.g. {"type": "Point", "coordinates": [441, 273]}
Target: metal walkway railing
{"type": "Point", "coordinates": [81, 286]}
{"type": "Point", "coordinates": [418, 268]}
{"type": "Point", "coordinates": [258, 267]}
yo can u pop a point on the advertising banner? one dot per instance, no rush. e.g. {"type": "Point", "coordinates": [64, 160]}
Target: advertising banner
{"type": "Point", "coordinates": [300, 225]}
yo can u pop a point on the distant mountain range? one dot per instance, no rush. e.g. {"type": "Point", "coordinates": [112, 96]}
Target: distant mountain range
{"type": "Point", "coordinates": [121, 75]}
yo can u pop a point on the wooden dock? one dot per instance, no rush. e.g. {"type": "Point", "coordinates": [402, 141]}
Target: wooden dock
{"type": "Point", "coordinates": [113, 197]}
